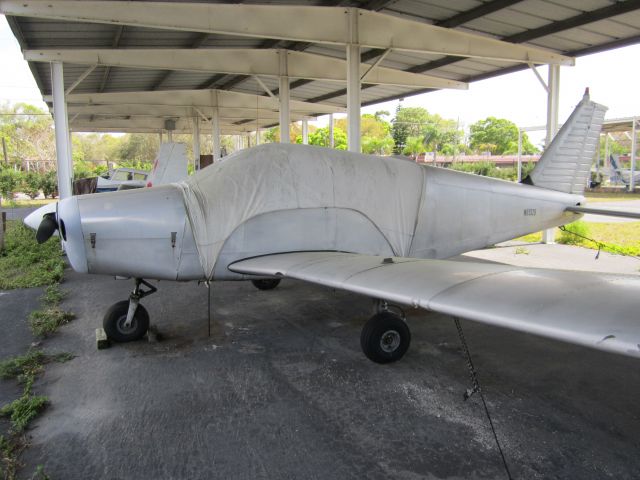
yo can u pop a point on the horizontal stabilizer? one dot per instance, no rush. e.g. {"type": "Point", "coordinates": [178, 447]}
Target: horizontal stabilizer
{"type": "Point", "coordinates": [590, 309]}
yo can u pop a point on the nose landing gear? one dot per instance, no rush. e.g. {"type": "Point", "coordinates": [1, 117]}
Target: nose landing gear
{"type": "Point", "coordinates": [127, 320]}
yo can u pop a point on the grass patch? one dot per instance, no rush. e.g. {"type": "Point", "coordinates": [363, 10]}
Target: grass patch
{"type": "Point", "coordinates": [573, 233]}
{"type": "Point", "coordinates": [26, 203]}
{"type": "Point", "coordinates": [53, 295]}
{"type": "Point", "coordinates": [24, 263]}
{"type": "Point", "coordinates": [620, 238]}
{"type": "Point", "coordinates": [597, 197]}
{"type": "Point", "coordinates": [30, 364]}
{"type": "Point", "coordinates": [531, 238]}
{"type": "Point", "coordinates": [23, 366]}
{"type": "Point", "coordinates": [522, 251]}
{"type": "Point", "coordinates": [45, 322]}
{"type": "Point", "coordinates": [24, 409]}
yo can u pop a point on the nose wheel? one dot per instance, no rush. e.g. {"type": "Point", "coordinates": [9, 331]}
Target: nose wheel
{"type": "Point", "coordinates": [127, 320]}
{"type": "Point", "coordinates": [385, 338]}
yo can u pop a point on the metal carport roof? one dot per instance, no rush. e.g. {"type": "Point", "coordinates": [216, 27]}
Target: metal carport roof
{"type": "Point", "coordinates": [568, 27]}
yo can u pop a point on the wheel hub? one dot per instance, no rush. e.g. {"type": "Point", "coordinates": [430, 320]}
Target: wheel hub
{"type": "Point", "coordinates": [122, 326]}
{"type": "Point", "coordinates": [389, 341]}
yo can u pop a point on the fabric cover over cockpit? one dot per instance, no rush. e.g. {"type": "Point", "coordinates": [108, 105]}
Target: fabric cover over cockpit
{"type": "Point", "coordinates": [276, 177]}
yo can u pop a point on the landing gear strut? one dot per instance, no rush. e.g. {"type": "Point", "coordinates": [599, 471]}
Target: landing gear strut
{"type": "Point", "coordinates": [127, 320]}
{"type": "Point", "coordinates": [385, 338]}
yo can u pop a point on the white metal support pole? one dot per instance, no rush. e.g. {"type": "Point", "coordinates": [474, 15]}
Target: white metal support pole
{"type": "Point", "coordinates": [169, 136]}
{"type": "Point", "coordinates": [283, 94]}
{"type": "Point", "coordinates": [215, 134]}
{"type": "Point", "coordinates": [196, 142]}
{"type": "Point", "coordinates": [519, 155]}
{"type": "Point", "coordinates": [634, 147]}
{"type": "Point", "coordinates": [305, 132]}
{"type": "Point", "coordinates": [331, 140]}
{"type": "Point", "coordinates": [63, 149]}
{"type": "Point", "coordinates": [258, 139]}
{"type": "Point", "coordinates": [553, 97]}
{"type": "Point", "coordinates": [353, 82]}
{"type": "Point", "coordinates": [160, 136]}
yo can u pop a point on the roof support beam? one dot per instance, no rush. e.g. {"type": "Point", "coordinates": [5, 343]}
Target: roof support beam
{"type": "Point", "coordinates": [283, 96]}
{"type": "Point", "coordinates": [182, 124]}
{"type": "Point", "coordinates": [353, 85]}
{"type": "Point", "coordinates": [115, 43]}
{"type": "Point", "coordinates": [241, 61]}
{"type": "Point", "coordinates": [84, 75]}
{"type": "Point", "coordinates": [264, 87]}
{"type": "Point", "coordinates": [286, 22]}
{"type": "Point", "coordinates": [198, 98]}
{"type": "Point", "coordinates": [170, 111]}
{"type": "Point", "coordinates": [63, 139]}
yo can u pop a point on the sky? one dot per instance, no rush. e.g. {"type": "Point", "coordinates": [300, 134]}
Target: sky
{"type": "Point", "coordinates": [612, 78]}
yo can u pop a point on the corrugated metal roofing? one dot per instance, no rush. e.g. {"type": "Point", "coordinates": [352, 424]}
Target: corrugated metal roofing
{"type": "Point", "coordinates": [570, 27]}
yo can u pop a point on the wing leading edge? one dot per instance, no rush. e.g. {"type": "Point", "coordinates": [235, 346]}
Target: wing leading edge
{"type": "Point", "coordinates": [564, 305]}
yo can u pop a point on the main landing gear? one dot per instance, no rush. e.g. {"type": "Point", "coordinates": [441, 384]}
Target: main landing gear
{"type": "Point", "coordinates": [385, 338]}
{"type": "Point", "coordinates": [127, 320]}
{"type": "Point", "coordinates": [266, 283]}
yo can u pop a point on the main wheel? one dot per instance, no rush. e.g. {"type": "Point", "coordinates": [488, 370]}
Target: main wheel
{"type": "Point", "coordinates": [266, 283]}
{"type": "Point", "coordinates": [115, 318]}
{"type": "Point", "coordinates": [385, 338]}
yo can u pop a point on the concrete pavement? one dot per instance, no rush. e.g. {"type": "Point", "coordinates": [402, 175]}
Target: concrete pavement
{"type": "Point", "coordinates": [282, 390]}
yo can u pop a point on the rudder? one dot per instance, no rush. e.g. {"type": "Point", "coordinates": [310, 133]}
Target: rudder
{"type": "Point", "coordinates": [566, 163]}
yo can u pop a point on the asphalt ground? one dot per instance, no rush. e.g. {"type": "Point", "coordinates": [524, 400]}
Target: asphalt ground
{"type": "Point", "coordinates": [282, 390]}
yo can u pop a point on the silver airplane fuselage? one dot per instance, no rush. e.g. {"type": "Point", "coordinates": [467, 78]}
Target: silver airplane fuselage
{"type": "Point", "coordinates": [147, 233]}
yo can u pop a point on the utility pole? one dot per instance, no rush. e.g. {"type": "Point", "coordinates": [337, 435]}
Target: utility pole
{"type": "Point", "coordinates": [4, 151]}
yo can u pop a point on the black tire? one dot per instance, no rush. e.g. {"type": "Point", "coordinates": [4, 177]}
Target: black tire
{"type": "Point", "coordinates": [385, 338]}
{"type": "Point", "coordinates": [115, 317]}
{"type": "Point", "coordinates": [266, 283]}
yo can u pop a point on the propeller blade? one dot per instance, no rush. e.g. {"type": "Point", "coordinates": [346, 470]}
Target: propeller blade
{"type": "Point", "coordinates": [47, 227]}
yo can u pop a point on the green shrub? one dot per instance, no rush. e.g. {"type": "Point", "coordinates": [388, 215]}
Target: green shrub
{"type": "Point", "coordinates": [567, 236]}
{"type": "Point", "coordinates": [31, 183]}
{"type": "Point", "coordinates": [49, 184]}
{"type": "Point", "coordinates": [10, 180]}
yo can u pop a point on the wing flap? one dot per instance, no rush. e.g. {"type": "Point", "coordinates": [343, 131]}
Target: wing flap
{"type": "Point", "coordinates": [591, 309]}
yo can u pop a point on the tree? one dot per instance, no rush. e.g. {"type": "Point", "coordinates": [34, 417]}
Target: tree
{"type": "Point", "coordinates": [28, 132]}
{"type": "Point", "coordinates": [437, 133]}
{"type": "Point", "coordinates": [376, 134]}
{"type": "Point", "coordinates": [498, 136]}
{"type": "Point", "coordinates": [321, 138]}
{"type": "Point", "coordinates": [414, 146]}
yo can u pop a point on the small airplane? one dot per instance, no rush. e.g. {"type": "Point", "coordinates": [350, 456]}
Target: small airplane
{"type": "Point", "coordinates": [380, 227]}
{"type": "Point", "coordinates": [624, 174]}
{"type": "Point", "coordinates": [120, 178]}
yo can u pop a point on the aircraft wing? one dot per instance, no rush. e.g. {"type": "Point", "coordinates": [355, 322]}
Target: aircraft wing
{"type": "Point", "coordinates": [591, 309]}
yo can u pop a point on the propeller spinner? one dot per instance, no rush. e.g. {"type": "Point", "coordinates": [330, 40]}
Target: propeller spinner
{"type": "Point", "coordinates": [47, 227]}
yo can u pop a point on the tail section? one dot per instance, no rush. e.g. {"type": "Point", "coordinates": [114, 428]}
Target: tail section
{"type": "Point", "coordinates": [566, 163]}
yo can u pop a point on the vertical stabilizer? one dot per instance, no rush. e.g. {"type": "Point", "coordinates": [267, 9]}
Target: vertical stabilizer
{"type": "Point", "coordinates": [566, 163]}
